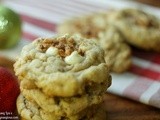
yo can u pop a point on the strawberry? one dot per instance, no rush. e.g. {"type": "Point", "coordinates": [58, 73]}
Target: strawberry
{"type": "Point", "coordinates": [9, 90]}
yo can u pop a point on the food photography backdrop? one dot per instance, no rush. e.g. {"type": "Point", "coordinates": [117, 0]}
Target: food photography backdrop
{"type": "Point", "coordinates": [41, 17]}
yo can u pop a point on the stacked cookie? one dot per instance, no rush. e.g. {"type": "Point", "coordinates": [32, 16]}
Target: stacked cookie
{"type": "Point", "coordinates": [62, 78]}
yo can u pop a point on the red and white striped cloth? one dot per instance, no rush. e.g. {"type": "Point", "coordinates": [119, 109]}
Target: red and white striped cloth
{"type": "Point", "coordinates": [40, 18]}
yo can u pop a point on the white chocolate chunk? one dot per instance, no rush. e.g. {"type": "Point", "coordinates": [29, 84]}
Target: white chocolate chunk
{"type": "Point", "coordinates": [35, 63]}
{"type": "Point", "coordinates": [74, 58]}
{"type": "Point", "coordinates": [52, 51]}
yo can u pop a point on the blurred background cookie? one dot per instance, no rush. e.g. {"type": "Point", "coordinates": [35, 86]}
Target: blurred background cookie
{"type": "Point", "coordinates": [117, 52]}
{"type": "Point", "coordinates": [139, 28]}
{"type": "Point", "coordinates": [111, 40]}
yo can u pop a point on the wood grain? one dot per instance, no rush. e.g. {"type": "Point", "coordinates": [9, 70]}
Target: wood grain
{"type": "Point", "coordinates": [119, 108]}
{"type": "Point", "coordinates": [155, 3]}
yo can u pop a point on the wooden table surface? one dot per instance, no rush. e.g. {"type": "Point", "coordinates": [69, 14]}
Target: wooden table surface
{"type": "Point", "coordinates": [117, 108]}
{"type": "Point", "coordinates": [151, 2]}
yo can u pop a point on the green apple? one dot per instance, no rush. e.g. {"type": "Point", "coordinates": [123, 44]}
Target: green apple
{"type": "Point", "coordinates": [10, 27]}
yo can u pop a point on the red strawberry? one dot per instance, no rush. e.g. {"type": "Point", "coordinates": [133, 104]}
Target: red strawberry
{"type": "Point", "coordinates": [9, 90]}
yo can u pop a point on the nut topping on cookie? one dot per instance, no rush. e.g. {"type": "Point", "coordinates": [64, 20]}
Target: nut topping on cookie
{"type": "Point", "coordinates": [62, 46]}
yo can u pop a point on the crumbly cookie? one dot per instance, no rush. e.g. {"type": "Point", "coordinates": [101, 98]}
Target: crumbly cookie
{"type": "Point", "coordinates": [89, 26]}
{"type": "Point", "coordinates": [90, 88]}
{"type": "Point", "coordinates": [140, 29]}
{"type": "Point", "coordinates": [59, 105]}
{"type": "Point", "coordinates": [63, 66]}
{"type": "Point", "coordinates": [30, 111]}
{"type": "Point", "coordinates": [117, 52]}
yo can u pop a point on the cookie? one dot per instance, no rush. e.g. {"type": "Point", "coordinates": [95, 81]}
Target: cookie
{"type": "Point", "coordinates": [90, 88]}
{"type": "Point", "coordinates": [140, 29]}
{"type": "Point", "coordinates": [111, 40]}
{"type": "Point", "coordinates": [89, 26]}
{"type": "Point", "coordinates": [59, 105]}
{"type": "Point", "coordinates": [30, 111]}
{"type": "Point", "coordinates": [63, 66]}
{"type": "Point", "coordinates": [117, 52]}
{"type": "Point", "coordinates": [64, 77]}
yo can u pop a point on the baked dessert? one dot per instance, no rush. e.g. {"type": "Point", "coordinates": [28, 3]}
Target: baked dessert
{"type": "Point", "coordinates": [31, 111]}
{"type": "Point", "coordinates": [88, 26]}
{"type": "Point", "coordinates": [139, 28]}
{"type": "Point", "coordinates": [111, 40]}
{"type": "Point", "coordinates": [117, 53]}
{"type": "Point", "coordinates": [64, 77]}
{"type": "Point", "coordinates": [62, 105]}
{"type": "Point", "coordinates": [69, 63]}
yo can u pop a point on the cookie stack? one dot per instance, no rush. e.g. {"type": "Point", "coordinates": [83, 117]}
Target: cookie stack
{"type": "Point", "coordinates": [62, 78]}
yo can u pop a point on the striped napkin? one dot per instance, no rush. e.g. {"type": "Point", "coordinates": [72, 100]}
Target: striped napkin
{"type": "Point", "coordinates": [40, 18]}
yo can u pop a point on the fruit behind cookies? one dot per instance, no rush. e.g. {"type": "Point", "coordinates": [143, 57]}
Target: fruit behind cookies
{"type": "Point", "coordinates": [64, 77]}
